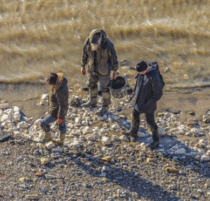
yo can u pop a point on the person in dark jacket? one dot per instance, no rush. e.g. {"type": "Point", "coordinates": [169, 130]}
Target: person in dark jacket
{"type": "Point", "coordinates": [148, 90]}
{"type": "Point", "coordinates": [99, 57]}
{"type": "Point", "coordinates": [57, 106]}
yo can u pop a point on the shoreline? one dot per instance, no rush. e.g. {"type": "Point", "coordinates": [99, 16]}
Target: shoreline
{"type": "Point", "coordinates": [183, 100]}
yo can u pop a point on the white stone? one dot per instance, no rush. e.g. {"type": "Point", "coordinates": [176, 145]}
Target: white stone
{"type": "Point", "coordinates": [161, 131]}
{"type": "Point", "coordinates": [44, 97]}
{"type": "Point", "coordinates": [124, 138]}
{"type": "Point", "coordinates": [201, 151]}
{"type": "Point", "coordinates": [104, 130]}
{"type": "Point", "coordinates": [8, 111]}
{"type": "Point", "coordinates": [75, 143]}
{"type": "Point", "coordinates": [22, 124]}
{"type": "Point", "coordinates": [16, 116]}
{"type": "Point", "coordinates": [205, 158]}
{"type": "Point", "coordinates": [180, 151]}
{"type": "Point", "coordinates": [7, 124]}
{"type": "Point", "coordinates": [4, 117]}
{"type": "Point", "coordinates": [4, 105]}
{"type": "Point", "coordinates": [77, 120]}
{"type": "Point", "coordinates": [105, 140]}
{"type": "Point", "coordinates": [17, 133]}
{"type": "Point", "coordinates": [208, 153]}
{"type": "Point", "coordinates": [50, 145]}
{"type": "Point", "coordinates": [16, 109]}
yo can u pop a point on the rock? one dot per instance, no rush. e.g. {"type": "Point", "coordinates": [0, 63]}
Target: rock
{"type": "Point", "coordinates": [205, 158]}
{"type": "Point", "coordinates": [24, 179]}
{"type": "Point", "coordinates": [22, 124]}
{"type": "Point", "coordinates": [5, 138]}
{"type": "Point", "coordinates": [32, 197]}
{"type": "Point", "coordinates": [43, 160]}
{"type": "Point", "coordinates": [16, 109]}
{"type": "Point", "coordinates": [4, 106]}
{"type": "Point", "coordinates": [106, 158]}
{"type": "Point", "coordinates": [17, 133]}
{"type": "Point", "coordinates": [86, 130]}
{"type": "Point", "coordinates": [161, 131]}
{"type": "Point", "coordinates": [140, 134]}
{"type": "Point", "coordinates": [166, 70]}
{"type": "Point", "coordinates": [16, 116]}
{"type": "Point", "coordinates": [49, 145]}
{"type": "Point", "coordinates": [208, 153]}
{"type": "Point", "coordinates": [78, 121]}
{"type": "Point", "coordinates": [44, 97]}
{"type": "Point", "coordinates": [124, 138]}
{"type": "Point", "coordinates": [4, 117]}
{"type": "Point", "coordinates": [105, 140]}
{"type": "Point", "coordinates": [180, 151]}
{"type": "Point", "coordinates": [40, 174]}
{"type": "Point", "coordinates": [20, 158]}
{"type": "Point", "coordinates": [171, 170]}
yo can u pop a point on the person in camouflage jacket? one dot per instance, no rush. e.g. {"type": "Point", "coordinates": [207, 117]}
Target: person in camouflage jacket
{"type": "Point", "coordinates": [99, 58]}
{"type": "Point", "coordinates": [57, 106]}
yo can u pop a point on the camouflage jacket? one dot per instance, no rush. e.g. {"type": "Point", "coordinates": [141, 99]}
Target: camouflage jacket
{"type": "Point", "coordinates": [58, 97]}
{"type": "Point", "coordinates": [103, 60]}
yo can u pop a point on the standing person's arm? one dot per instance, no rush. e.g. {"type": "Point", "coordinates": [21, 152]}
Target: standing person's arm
{"type": "Point", "coordinates": [113, 57]}
{"type": "Point", "coordinates": [84, 56]}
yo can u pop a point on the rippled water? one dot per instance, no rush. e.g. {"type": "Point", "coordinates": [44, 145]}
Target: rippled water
{"type": "Point", "coordinates": [42, 36]}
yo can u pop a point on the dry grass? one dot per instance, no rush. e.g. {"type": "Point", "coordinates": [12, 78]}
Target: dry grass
{"type": "Point", "coordinates": [41, 36]}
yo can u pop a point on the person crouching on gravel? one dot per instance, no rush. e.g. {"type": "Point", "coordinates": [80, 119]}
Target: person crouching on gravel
{"type": "Point", "coordinates": [148, 90]}
{"type": "Point", "coordinates": [57, 106]}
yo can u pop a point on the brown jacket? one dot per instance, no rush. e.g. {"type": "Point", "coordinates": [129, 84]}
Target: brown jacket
{"type": "Point", "coordinates": [104, 59]}
{"type": "Point", "coordinates": [58, 97]}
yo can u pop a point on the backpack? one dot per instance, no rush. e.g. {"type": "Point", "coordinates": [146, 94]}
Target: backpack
{"type": "Point", "coordinates": [155, 64]}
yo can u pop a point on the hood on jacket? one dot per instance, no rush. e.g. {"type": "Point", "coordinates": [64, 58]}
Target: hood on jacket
{"type": "Point", "coordinates": [97, 31]}
{"type": "Point", "coordinates": [59, 81]}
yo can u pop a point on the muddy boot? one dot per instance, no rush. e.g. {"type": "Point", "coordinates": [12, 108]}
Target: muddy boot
{"type": "Point", "coordinates": [47, 137]}
{"type": "Point", "coordinates": [92, 102]}
{"type": "Point", "coordinates": [102, 111]}
{"type": "Point", "coordinates": [60, 140]}
{"type": "Point", "coordinates": [135, 126]}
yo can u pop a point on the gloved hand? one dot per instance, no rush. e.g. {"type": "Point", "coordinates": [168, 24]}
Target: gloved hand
{"type": "Point", "coordinates": [83, 70]}
{"type": "Point", "coordinates": [115, 75]}
{"type": "Point", "coordinates": [60, 120]}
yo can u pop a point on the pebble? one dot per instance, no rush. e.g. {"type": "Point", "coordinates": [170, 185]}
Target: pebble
{"type": "Point", "coordinates": [19, 158]}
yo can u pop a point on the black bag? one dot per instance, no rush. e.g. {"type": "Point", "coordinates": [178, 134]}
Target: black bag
{"type": "Point", "coordinates": [155, 64]}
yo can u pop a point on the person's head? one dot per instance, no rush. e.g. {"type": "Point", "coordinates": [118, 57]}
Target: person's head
{"type": "Point", "coordinates": [141, 66]}
{"type": "Point", "coordinates": [52, 78]}
{"type": "Point", "coordinates": [95, 39]}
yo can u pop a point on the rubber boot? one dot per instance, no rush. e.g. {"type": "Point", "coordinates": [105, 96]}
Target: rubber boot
{"type": "Point", "coordinates": [47, 137]}
{"type": "Point", "coordinates": [135, 126]}
{"type": "Point", "coordinates": [59, 140]}
{"type": "Point", "coordinates": [155, 140]}
{"type": "Point", "coordinates": [92, 102]}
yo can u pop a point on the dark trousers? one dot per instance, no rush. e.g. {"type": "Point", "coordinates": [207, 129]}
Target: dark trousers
{"type": "Point", "coordinates": [150, 118]}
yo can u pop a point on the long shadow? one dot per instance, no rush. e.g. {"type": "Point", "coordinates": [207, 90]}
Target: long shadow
{"type": "Point", "coordinates": [128, 180]}
{"type": "Point", "coordinates": [168, 147]}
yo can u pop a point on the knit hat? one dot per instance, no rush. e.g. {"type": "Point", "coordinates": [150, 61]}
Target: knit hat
{"type": "Point", "coordinates": [141, 66]}
{"type": "Point", "coordinates": [52, 78]}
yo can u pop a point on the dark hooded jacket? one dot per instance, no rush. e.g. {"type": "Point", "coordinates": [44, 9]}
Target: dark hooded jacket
{"type": "Point", "coordinates": [104, 59]}
{"type": "Point", "coordinates": [148, 90]}
{"type": "Point", "coordinates": [58, 97]}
